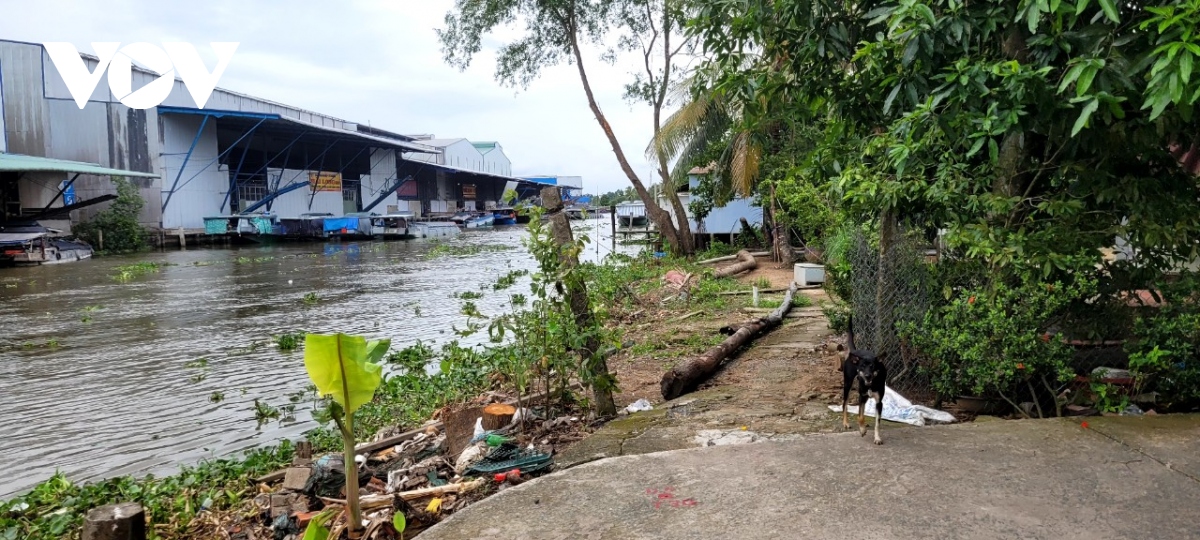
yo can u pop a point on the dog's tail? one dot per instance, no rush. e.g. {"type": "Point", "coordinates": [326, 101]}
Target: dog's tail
{"type": "Point", "coordinates": [850, 333]}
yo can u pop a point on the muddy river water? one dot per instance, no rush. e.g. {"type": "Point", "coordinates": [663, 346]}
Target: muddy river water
{"type": "Point", "coordinates": [100, 377]}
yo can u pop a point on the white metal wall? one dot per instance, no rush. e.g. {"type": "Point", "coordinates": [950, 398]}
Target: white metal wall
{"type": "Point", "coordinates": [303, 200]}
{"type": "Point", "coordinates": [202, 183]}
{"type": "Point", "coordinates": [383, 175]}
{"type": "Point", "coordinates": [495, 161]}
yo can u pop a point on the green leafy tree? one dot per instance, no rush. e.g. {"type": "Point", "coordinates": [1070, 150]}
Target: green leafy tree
{"type": "Point", "coordinates": [1030, 130]}
{"type": "Point", "coordinates": [118, 223]}
{"type": "Point", "coordinates": [557, 31]}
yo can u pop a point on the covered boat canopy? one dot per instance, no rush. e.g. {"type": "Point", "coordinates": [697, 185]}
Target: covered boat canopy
{"type": "Point", "coordinates": [23, 234]}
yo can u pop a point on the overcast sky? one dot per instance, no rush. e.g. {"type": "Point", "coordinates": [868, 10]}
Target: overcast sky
{"type": "Point", "coordinates": [376, 62]}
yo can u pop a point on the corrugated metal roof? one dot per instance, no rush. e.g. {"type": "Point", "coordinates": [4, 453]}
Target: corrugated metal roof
{"type": "Point", "coordinates": [421, 146]}
{"type": "Point", "coordinates": [22, 163]}
{"type": "Point", "coordinates": [439, 143]}
{"type": "Point", "coordinates": [454, 169]}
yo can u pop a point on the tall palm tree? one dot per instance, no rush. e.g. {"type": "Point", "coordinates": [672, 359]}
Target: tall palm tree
{"type": "Point", "coordinates": [704, 118]}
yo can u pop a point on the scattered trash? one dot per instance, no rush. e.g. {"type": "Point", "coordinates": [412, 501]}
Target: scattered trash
{"type": "Point", "coordinates": [639, 405]}
{"type": "Point", "coordinates": [329, 477]}
{"type": "Point", "coordinates": [510, 456]}
{"type": "Point", "coordinates": [675, 278]}
{"type": "Point", "coordinates": [469, 456]}
{"type": "Point", "coordinates": [897, 408]}
{"type": "Point", "coordinates": [1132, 410]}
{"type": "Point", "coordinates": [412, 484]}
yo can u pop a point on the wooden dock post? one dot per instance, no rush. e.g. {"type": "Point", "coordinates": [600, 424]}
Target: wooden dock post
{"type": "Point", "coordinates": [612, 214]}
{"type": "Point", "coordinates": [123, 521]}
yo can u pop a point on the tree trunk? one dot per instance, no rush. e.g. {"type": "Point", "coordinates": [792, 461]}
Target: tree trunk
{"type": "Point", "coordinates": [577, 297]}
{"type": "Point", "coordinates": [746, 262]}
{"type": "Point", "coordinates": [660, 217]}
{"type": "Point", "coordinates": [685, 377]}
{"type": "Point", "coordinates": [123, 521]}
{"type": "Point", "coordinates": [784, 254]}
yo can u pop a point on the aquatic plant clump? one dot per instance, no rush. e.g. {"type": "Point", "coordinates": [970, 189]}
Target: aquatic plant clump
{"type": "Point", "coordinates": [55, 509]}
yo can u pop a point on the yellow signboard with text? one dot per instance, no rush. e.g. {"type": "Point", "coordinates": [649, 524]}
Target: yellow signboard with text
{"type": "Point", "coordinates": [325, 181]}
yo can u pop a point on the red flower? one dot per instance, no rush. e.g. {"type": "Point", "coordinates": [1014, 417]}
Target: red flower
{"type": "Point", "coordinates": [1083, 425]}
{"type": "Point", "coordinates": [1020, 365]}
{"type": "Point", "coordinates": [971, 300]}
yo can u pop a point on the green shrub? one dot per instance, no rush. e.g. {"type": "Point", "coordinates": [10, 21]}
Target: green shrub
{"type": "Point", "coordinates": [839, 245]}
{"type": "Point", "coordinates": [1165, 354]}
{"type": "Point", "coordinates": [994, 342]}
{"type": "Point", "coordinates": [118, 223]}
{"type": "Point", "coordinates": [716, 249]}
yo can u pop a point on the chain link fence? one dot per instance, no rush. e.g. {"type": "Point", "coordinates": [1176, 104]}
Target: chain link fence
{"type": "Point", "coordinates": [888, 290]}
{"type": "Point", "coordinates": [895, 289]}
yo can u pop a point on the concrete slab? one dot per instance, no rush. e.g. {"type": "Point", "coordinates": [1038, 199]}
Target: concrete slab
{"type": "Point", "coordinates": [1173, 439]}
{"type": "Point", "coordinates": [1017, 479]}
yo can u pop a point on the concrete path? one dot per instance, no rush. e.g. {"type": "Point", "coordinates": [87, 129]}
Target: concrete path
{"type": "Point", "coordinates": [1117, 478]}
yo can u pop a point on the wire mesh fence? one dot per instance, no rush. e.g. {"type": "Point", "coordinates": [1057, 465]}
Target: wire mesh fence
{"type": "Point", "coordinates": [892, 290]}
{"type": "Point", "coordinates": [888, 290]}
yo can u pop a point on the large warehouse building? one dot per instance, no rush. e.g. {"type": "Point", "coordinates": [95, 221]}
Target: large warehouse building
{"type": "Point", "coordinates": [238, 154]}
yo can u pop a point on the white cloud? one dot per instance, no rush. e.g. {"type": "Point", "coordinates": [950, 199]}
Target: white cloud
{"type": "Point", "coordinates": [377, 62]}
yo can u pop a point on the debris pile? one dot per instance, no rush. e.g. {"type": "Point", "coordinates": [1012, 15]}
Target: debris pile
{"type": "Point", "coordinates": [407, 481]}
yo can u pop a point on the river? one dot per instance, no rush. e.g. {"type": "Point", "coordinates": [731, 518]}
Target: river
{"type": "Point", "coordinates": [103, 378]}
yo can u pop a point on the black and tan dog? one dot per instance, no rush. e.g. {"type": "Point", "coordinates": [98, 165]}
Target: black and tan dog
{"type": "Point", "coordinates": [864, 366]}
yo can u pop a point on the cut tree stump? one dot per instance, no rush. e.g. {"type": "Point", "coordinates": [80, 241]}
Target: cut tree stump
{"type": "Point", "coordinates": [497, 415]}
{"type": "Point", "coordinates": [686, 376]}
{"type": "Point", "coordinates": [124, 521]}
{"type": "Point", "coordinates": [746, 262]}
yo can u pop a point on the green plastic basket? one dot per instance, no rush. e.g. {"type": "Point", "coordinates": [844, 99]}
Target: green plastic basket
{"type": "Point", "coordinates": [507, 457]}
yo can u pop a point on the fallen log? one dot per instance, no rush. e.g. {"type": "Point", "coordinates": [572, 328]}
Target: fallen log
{"type": "Point", "coordinates": [760, 291]}
{"type": "Point", "coordinates": [746, 262]}
{"type": "Point", "coordinates": [733, 257]}
{"type": "Point", "coordinates": [685, 377]}
{"type": "Point", "coordinates": [790, 315]}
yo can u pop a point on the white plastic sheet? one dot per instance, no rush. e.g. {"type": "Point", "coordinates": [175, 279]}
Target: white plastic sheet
{"type": "Point", "coordinates": [897, 408]}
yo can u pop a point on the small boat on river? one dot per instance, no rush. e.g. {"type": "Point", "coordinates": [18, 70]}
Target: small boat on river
{"type": "Point", "coordinates": [474, 220]}
{"type": "Point", "coordinates": [433, 229]}
{"type": "Point", "coordinates": [34, 245]}
{"type": "Point", "coordinates": [393, 226]}
{"type": "Point", "coordinates": [505, 216]}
